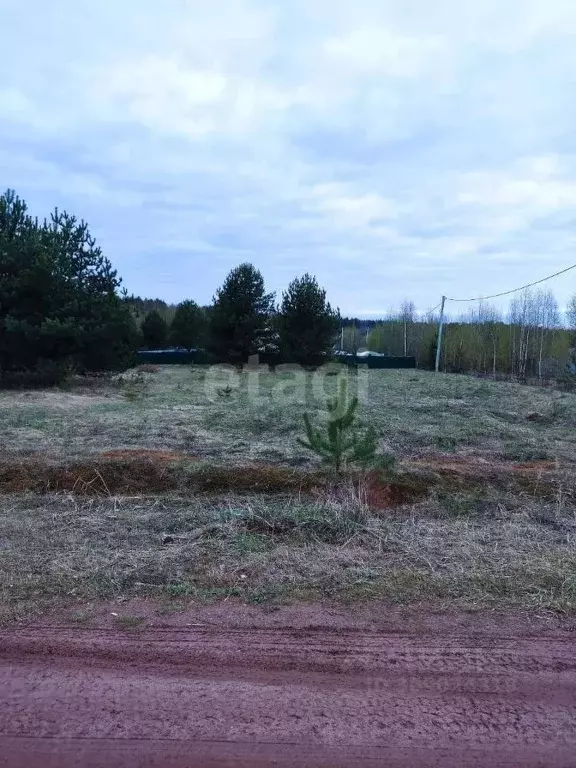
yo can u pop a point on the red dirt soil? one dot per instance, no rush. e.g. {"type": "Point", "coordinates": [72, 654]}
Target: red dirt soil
{"type": "Point", "coordinates": [161, 456]}
{"type": "Point", "coordinates": [478, 467]}
{"type": "Point", "coordinates": [304, 686]}
{"type": "Point", "coordinates": [381, 495]}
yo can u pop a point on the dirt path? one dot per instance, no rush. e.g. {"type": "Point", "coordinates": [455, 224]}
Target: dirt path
{"type": "Point", "coordinates": [235, 687]}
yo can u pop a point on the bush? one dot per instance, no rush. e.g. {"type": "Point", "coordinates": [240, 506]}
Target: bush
{"type": "Point", "coordinates": [46, 373]}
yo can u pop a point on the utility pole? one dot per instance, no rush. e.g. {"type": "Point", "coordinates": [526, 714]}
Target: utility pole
{"type": "Point", "coordinates": [405, 338]}
{"type": "Point", "coordinates": [440, 329]}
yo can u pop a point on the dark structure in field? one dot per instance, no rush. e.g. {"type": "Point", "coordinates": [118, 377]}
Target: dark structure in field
{"type": "Point", "coordinates": [200, 357]}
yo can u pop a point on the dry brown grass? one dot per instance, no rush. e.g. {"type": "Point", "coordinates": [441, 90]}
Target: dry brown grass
{"type": "Point", "coordinates": [140, 485]}
{"type": "Point", "coordinates": [125, 472]}
{"type": "Point", "coordinates": [149, 474]}
{"type": "Point", "coordinates": [64, 550]}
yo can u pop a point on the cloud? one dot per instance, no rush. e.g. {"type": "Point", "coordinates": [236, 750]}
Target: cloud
{"type": "Point", "coordinates": [378, 50]}
{"type": "Point", "coordinates": [394, 149]}
{"type": "Point", "coordinates": [500, 190]}
{"type": "Point", "coordinates": [348, 209]}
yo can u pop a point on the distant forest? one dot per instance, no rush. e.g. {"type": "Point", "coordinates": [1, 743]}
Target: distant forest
{"type": "Point", "coordinates": [531, 340]}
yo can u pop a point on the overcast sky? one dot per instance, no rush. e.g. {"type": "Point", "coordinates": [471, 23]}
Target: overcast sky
{"type": "Point", "coordinates": [393, 148]}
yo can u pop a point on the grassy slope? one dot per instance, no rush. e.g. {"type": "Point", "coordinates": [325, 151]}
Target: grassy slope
{"type": "Point", "coordinates": [473, 546]}
{"type": "Point", "coordinates": [414, 412]}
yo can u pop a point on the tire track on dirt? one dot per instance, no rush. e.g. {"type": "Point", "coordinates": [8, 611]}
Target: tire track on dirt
{"type": "Point", "coordinates": [286, 696]}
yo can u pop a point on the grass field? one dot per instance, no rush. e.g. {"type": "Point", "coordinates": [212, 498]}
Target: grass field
{"type": "Point", "coordinates": [152, 484]}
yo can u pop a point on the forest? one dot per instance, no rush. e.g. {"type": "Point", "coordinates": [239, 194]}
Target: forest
{"type": "Point", "coordinates": [533, 339]}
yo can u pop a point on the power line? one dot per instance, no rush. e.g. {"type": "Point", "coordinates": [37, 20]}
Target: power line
{"type": "Point", "coordinates": [515, 290]}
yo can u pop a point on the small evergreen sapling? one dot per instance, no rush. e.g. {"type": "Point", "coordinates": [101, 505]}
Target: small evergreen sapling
{"type": "Point", "coordinates": [340, 444]}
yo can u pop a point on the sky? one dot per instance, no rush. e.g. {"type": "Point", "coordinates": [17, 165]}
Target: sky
{"type": "Point", "coordinates": [393, 149]}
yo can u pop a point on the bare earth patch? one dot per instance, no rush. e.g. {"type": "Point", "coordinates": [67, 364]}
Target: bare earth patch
{"type": "Point", "coordinates": [476, 466]}
{"type": "Point", "coordinates": [146, 453]}
{"type": "Point", "coordinates": [146, 472]}
{"type": "Point", "coordinates": [61, 400]}
{"type": "Point", "coordinates": [149, 471]}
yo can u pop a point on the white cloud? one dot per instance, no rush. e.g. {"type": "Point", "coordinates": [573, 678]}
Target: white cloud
{"type": "Point", "coordinates": [164, 96]}
{"type": "Point", "coordinates": [351, 210]}
{"type": "Point", "coordinates": [378, 50]}
{"type": "Point", "coordinates": [540, 194]}
{"type": "Point", "coordinates": [153, 77]}
{"type": "Point", "coordinates": [544, 166]}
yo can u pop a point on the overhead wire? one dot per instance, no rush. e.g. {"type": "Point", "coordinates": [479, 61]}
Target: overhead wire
{"type": "Point", "coordinates": [515, 290]}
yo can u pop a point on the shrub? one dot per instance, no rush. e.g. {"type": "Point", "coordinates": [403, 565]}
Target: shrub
{"type": "Point", "coordinates": [46, 373]}
{"type": "Point", "coordinates": [566, 379]}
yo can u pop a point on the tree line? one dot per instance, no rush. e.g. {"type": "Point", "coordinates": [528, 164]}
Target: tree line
{"type": "Point", "coordinates": [244, 320]}
{"type": "Point", "coordinates": [63, 309]}
{"type": "Point", "coordinates": [530, 340]}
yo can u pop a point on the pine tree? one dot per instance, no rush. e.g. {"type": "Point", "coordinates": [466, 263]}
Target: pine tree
{"type": "Point", "coordinates": [59, 301]}
{"type": "Point", "coordinates": [154, 331]}
{"type": "Point", "coordinates": [240, 317]}
{"type": "Point", "coordinates": [340, 444]}
{"type": "Point", "coordinates": [307, 324]}
{"type": "Point", "coordinates": [188, 325]}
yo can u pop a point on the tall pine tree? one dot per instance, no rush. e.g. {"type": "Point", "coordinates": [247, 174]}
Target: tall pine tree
{"type": "Point", "coordinates": [188, 327]}
{"type": "Point", "coordinates": [307, 324]}
{"type": "Point", "coordinates": [59, 301]}
{"type": "Point", "coordinates": [154, 331]}
{"type": "Point", "coordinates": [240, 317]}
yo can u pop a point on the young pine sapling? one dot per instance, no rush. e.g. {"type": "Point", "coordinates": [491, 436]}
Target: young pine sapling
{"type": "Point", "coordinates": [340, 443]}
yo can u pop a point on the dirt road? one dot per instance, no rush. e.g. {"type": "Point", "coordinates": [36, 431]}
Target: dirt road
{"type": "Point", "coordinates": [302, 687]}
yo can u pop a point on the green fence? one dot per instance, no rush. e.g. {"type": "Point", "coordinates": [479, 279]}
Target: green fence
{"type": "Point", "coordinates": [380, 362]}
{"type": "Point", "coordinates": [174, 357]}
{"type": "Point", "coordinates": [200, 357]}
